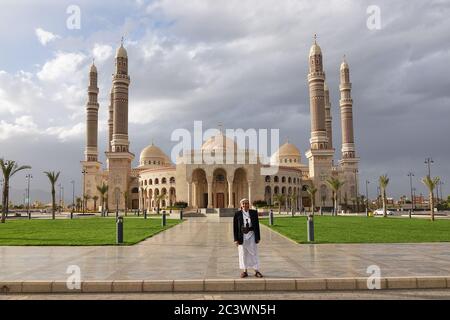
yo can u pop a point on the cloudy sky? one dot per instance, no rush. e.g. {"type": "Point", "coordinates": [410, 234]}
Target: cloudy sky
{"type": "Point", "coordinates": [239, 62]}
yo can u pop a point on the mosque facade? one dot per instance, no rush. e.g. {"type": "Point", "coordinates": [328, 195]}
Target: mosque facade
{"type": "Point", "coordinates": [156, 181]}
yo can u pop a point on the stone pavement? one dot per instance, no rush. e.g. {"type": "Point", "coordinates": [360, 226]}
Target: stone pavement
{"type": "Point", "coordinates": [202, 248]}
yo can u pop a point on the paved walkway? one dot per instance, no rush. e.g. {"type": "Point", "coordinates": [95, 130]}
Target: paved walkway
{"type": "Point", "coordinates": [203, 248]}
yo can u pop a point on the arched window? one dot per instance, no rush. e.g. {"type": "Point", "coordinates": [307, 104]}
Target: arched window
{"type": "Point", "coordinates": [163, 180]}
{"type": "Point", "coordinates": [283, 190]}
{"type": "Point", "coordinates": [267, 178]}
{"type": "Point", "coordinates": [283, 179]}
{"type": "Point", "coordinates": [172, 180]}
{"type": "Point", "coordinates": [145, 182]}
{"type": "Point", "coordinates": [135, 190]}
{"type": "Point", "coordinates": [150, 181]}
{"type": "Point", "coordinates": [275, 179]}
{"type": "Point", "coordinates": [156, 181]}
{"type": "Point", "coordinates": [276, 190]}
{"type": "Point", "coordinates": [289, 180]}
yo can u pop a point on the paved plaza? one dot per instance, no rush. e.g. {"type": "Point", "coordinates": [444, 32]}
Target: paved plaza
{"type": "Point", "coordinates": [202, 248]}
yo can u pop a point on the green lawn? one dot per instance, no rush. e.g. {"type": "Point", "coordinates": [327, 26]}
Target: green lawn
{"type": "Point", "coordinates": [363, 230]}
{"type": "Point", "coordinates": [78, 232]}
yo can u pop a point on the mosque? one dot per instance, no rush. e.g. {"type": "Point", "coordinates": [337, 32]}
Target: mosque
{"type": "Point", "coordinates": [210, 186]}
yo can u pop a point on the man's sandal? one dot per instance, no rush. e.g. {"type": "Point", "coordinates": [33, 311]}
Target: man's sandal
{"type": "Point", "coordinates": [244, 274]}
{"type": "Point", "coordinates": [258, 274]}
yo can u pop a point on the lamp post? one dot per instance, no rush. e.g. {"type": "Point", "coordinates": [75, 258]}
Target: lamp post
{"type": "Point", "coordinates": [29, 177]}
{"type": "Point", "coordinates": [59, 202]}
{"type": "Point", "coordinates": [428, 162]}
{"type": "Point", "coordinates": [410, 175]}
{"type": "Point", "coordinates": [84, 183]}
{"type": "Point", "coordinates": [73, 194]}
{"type": "Point", "coordinates": [356, 190]}
{"type": "Point", "coordinates": [62, 199]}
{"type": "Point", "coordinates": [367, 198]}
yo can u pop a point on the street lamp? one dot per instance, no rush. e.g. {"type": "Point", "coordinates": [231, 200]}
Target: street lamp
{"type": "Point", "coordinates": [367, 198]}
{"type": "Point", "coordinates": [73, 194]}
{"type": "Point", "coordinates": [59, 202]}
{"type": "Point", "coordinates": [429, 161]}
{"type": "Point", "coordinates": [84, 183]}
{"type": "Point", "coordinates": [410, 175]}
{"type": "Point", "coordinates": [29, 177]}
{"type": "Point", "coordinates": [356, 190]}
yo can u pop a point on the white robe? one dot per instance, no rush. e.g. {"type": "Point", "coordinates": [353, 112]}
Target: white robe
{"type": "Point", "coordinates": [248, 251]}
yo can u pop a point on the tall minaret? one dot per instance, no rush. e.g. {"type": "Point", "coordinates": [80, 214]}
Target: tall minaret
{"type": "Point", "coordinates": [349, 161]}
{"type": "Point", "coordinates": [328, 117]}
{"type": "Point", "coordinates": [316, 80]}
{"type": "Point", "coordinates": [110, 120]}
{"type": "Point", "coordinates": [91, 151]}
{"type": "Point", "coordinates": [320, 155]}
{"type": "Point", "coordinates": [91, 167]}
{"type": "Point", "coordinates": [119, 157]}
{"type": "Point", "coordinates": [346, 103]}
{"type": "Point", "coordinates": [121, 82]}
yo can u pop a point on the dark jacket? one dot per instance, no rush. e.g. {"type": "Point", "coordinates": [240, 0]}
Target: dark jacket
{"type": "Point", "coordinates": [238, 224]}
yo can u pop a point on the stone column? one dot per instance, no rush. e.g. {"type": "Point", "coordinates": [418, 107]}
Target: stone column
{"type": "Point", "coordinates": [250, 184]}
{"type": "Point", "coordinates": [189, 194]}
{"type": "Point", "coordinates": [210, 196]}
{"type": "Point", "coordinates": [230, 194]}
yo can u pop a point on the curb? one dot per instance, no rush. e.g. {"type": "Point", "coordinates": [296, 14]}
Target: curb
{"type": "Point", "coordinates": [225, 285]}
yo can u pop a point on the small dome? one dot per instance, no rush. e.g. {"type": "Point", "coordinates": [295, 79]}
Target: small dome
{"type": "Point", "coordinates": [288, 149]}
{"type": "Point", "coordinates": [287, 155]}
{"type": "Point", "coordinates": [93, 68]}
{"type": "Point", "coordinates": [315, 50]}
{"type": "Point", "coordinates": [219, 142]}
{"type": "Point", "coordinates": [154, 153]}
{"type": "Point", "coordinates": [121, 52]}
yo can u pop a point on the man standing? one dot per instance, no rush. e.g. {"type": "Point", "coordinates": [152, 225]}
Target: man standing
{"type": "Point", "coordinates": [246, 238]}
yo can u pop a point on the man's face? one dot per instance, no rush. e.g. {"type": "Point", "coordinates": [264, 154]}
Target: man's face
{"type": "Point", "coordinates": [245, 205]}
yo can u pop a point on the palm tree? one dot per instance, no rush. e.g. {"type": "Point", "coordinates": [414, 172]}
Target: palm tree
{"type": "Point", "coordinates": [431, 184]}
{"type": "Point", "coordinates": [312, 193]}
{"type": "Point", "coordinates": [335, 184]}
{"type": "Point", "coordinates": [86, 198]}
{"type": "Point", "coordinates": [384, 181]}
{"type": "Point", "coordinates": [278, 199]}
{"type": "Point", "coordinates": [9, 168]}
{"type": "Point", "coordinates": [292, 199]}
{"type": "Point", "coordinates": [52, 177]}
{"type": "Point", "coordinates": [95, 198]}
{"type": "Point", "coordinates": [103, 189]}
{"type": "Point", "coordinates": [158, 199]}
{"type": "Point", "coordinates": [78, 201]}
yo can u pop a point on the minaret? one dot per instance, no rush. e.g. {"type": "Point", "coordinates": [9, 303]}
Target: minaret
{"type": "Point", "coordinates": [110, 120]}
{"type": "Point", "coordinates": [91, 151]}
{"type": "Point", "coordinates": [328, 117]}
{"type": "Point", "coordinates": [346, 103]}
{"type": "Point", "coordinates": [316, 80]}
{"type": "Point", "coordinates": [320, 155]}
{"type": "Point", "coordinates": [119, 157]}
{"type": "Point", "coordinates": [349, 162]}
{"type": "Point", "coordinates": [121, 82]}
{"type": "Point", "coordinates": [91, 168]}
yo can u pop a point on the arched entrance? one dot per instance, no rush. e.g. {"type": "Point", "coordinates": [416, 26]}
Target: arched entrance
{"type": "Point", "coordinates": [240, 186]}
{"type": "Point", "coordinates": [200, 189]}
{"type": "Point", "coordinates": [220, 188]}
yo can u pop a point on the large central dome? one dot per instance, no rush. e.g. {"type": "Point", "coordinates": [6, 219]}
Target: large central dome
{"type": "Point", "coordinates": [219, 142]}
